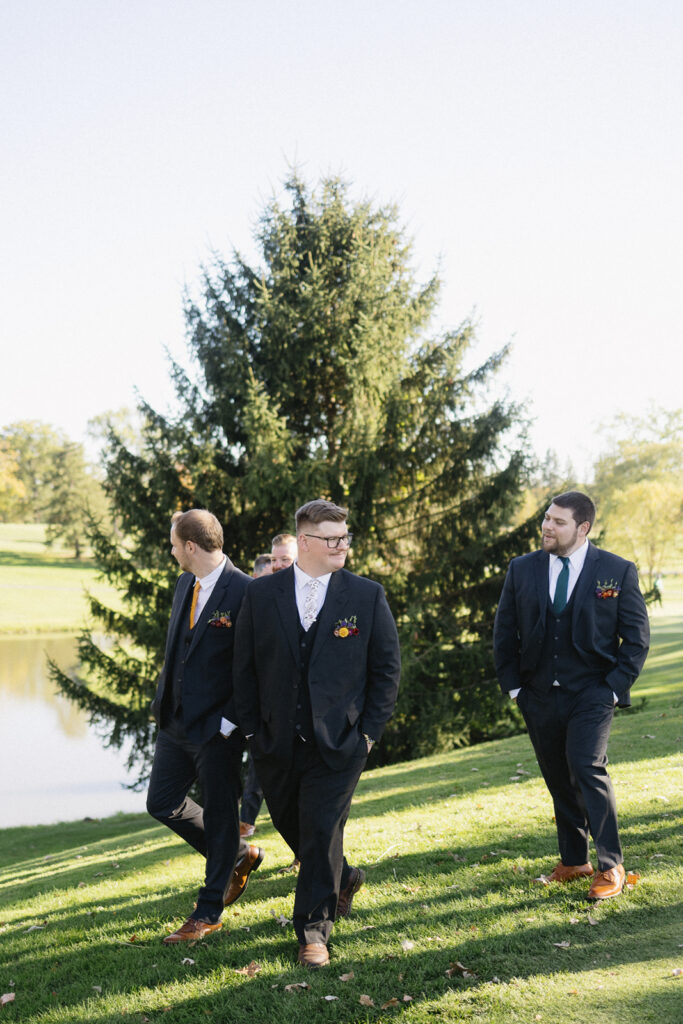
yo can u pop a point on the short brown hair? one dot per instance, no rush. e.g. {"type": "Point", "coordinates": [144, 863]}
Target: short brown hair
{"type": "Point", "coordinates": [199, 526]}
{"type": "Point", "coordinates": [320, 511]}
{"type": "Point", "coordinates": [579, 504]}
{"type": "Point", "coordinates": [283, 538]}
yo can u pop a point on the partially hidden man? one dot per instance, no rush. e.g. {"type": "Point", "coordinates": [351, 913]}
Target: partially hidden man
{"type": "Point", "coordinates": [317, 669]}
{"type": "Point", "coordinates": [570, 638]}
{"type": "Point", "coordinates": [198, 737]}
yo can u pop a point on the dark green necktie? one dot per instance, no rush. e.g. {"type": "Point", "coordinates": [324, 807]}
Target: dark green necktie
{"type": "Point", "coordinates": [560, 599]}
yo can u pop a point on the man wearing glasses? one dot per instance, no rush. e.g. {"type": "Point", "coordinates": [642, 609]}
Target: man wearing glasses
{"type": "Point", "coordinates": [316, 675]}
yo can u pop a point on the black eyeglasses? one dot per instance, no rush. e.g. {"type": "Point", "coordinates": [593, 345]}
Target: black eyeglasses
{"type": "Point", "coordinates": [333, 542]}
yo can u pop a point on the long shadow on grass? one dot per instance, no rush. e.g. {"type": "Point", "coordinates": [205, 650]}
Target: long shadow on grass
{"type": "Point", "coordinates": [382, 968]}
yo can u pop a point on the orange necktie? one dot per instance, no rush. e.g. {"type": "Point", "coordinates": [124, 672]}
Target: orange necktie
{"type": "Point", "coordinates": [195, 595]}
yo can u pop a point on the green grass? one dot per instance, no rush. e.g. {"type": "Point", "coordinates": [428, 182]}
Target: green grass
{"type": "Point", "coordinates": [451, 846]}
{"type": "Point", "coordinates": [42, 590]}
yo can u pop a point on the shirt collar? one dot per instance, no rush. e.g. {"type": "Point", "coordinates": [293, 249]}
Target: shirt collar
{"type": "Point", "coordinates": [576, 559]}
{"type": "Point", "coordinates": [209, 581]}
{"type": "Point", "coordinates": [302, 578]}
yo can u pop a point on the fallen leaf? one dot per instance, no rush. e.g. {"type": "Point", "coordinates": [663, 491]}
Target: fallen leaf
{"type": "Point", "coordinates": [496, 979]}
{"type": "Point", "coordinates": [458, 968]}
{"type": "Point", "coordinates": [632, 879]}
{"type": "Point", "coordinates": [250, 970]}
{"type": "Point", "coordinates": [474, 769]}
{"type": "Point", "coordinates": [573, 920]}
{"type": "Point", "coordinates": [543, 879]}
{"type": "Point", "coordinates": [648, 736]}
{"type": "Point", "coordinates": [35, 928]}
{"type": "Point", "coordinates": [133, 938]}
{"type": "Point", "coordinates": [677, 971]}
{"type": "Point", "coordinates": [561, 945]}
{"type": "Point", "coordinates": [407, 999]}
{"type": "Point", "coordinates": [390, 1002]}
{"type": "Point", "coordinates": [572, 992]}
{"type": "Point", "coordinates": [537, 1017]}
{"type": "Point", "coordinates": [187, 960]}
{"type": "Point", "coordinates": [407, 944]}
{"type": "Point", "coordinates": [295, 986]}
{"type": "Point", "coordinates": [97, 988]}
{"type": "Point", "coordinates": [330, 998]}
{"type": "Point", "coordinates": [346, 977]}
{"type": "Point", "coordinates": [592, 920]}
{"type": "Point", "coordinates": [8, 997]}
{"type": "Point", "coordinates": [366, 1001]}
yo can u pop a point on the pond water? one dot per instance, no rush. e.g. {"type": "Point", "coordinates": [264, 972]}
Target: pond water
{"type": "Point", "coordinates": [53, 765]}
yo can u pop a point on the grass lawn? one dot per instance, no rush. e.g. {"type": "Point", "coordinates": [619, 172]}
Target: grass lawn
{"type": "Point", "coordinates": [41, 588]}
{"type": "Point", "coordinates": [451, 844]}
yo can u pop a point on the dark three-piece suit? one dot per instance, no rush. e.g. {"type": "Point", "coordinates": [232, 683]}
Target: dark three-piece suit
{"type": "Point", "coordinates": [594, 648]}
{"type": "Point", "coordinates": [194, 692]}
{"type": "Point", "coordinates": [307, 698]}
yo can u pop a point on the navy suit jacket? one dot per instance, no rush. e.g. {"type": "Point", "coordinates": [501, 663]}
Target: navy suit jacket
{"type": "Point", "coordinates": [610, 634]}
{"type": "Point", "coordinates": [353, 680]}
{"type": "Point", "coordinates": [207, 694]}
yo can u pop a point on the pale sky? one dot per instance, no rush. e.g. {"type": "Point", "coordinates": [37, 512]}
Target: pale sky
{"type": "Point", "coordinates": [535, 149]}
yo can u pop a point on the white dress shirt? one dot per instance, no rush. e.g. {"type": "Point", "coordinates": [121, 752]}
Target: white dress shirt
{"type": "Point", "coordinates": [301, 582]}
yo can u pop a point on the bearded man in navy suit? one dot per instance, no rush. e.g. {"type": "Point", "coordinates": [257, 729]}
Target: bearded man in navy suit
{"type": "Point", "coordinates": [570, 638]}
{"type": "Point", "coordinates": [317, 669]}
{"type": "Point", "coordinates": [198, 737]}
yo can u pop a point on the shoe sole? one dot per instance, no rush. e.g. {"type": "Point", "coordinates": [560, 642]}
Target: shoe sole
{"type": "Point", "coordinates": [610, 896]}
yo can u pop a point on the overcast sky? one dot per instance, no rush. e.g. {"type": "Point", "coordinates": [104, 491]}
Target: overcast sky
{"type": "Point", "coordinates": [534, 148]}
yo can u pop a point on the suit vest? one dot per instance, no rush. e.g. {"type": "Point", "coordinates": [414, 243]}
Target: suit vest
{"type": "Point", "coordinates": [559, 659]}
{"type": "Point", "coordinates": [303, 712]}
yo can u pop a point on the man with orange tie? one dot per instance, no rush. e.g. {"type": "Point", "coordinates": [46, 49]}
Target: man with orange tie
{"type": "Point", "coordinates": [198, 738]}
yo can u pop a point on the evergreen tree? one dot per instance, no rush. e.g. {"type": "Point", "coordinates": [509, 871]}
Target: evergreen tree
{"type": "Point", "coordinates": [314, 374]}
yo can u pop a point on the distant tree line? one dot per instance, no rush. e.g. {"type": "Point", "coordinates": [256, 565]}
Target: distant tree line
{"type": "Point", "coordinates": [45, 478]}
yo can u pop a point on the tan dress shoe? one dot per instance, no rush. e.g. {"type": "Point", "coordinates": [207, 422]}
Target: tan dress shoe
{"type": "Point", "coordinates": [240, 876]}
{"type": "Point", "coordinates": [192, 931]}
{"type": "Point", "coordinates": [607, 883]}
{"type": "Point", "coordinates": [567, 872]}
{"type": "Point", "coordinates": [313, 954]}
{"type": "Point", "coordinates": [356, 879]}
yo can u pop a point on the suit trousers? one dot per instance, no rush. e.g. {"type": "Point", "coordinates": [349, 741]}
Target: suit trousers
{"type": "Point", "coordinates": [252, 795]}
{"type": "Point", "coordinates": [309, 804]}
{"type": "Point", "coordinates": [570, 732]}
{"type": "Point", "coordinates": [213, 830]}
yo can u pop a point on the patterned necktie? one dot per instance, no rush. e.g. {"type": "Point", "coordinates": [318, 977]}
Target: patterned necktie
{"type": "Point", "coordinates": [560, 599]}
{"type": "Point", "coordinates": [193, 606]}
{"type": "Point", "coordinates": [310, 604]}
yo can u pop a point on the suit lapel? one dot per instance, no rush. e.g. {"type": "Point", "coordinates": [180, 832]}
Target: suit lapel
{"type": "Point", "coordinates": [185, 584]}
{"type": "Point", "coordinates": [217, 600]}
{"type": "Point", "coordinates": [285, 599]}
{"type": "Point", "coordinates": [585, 580]}
{"type": "Point", "coordinates": [332, 609]}
{"type": "Point", "coordinates": [541, 578]}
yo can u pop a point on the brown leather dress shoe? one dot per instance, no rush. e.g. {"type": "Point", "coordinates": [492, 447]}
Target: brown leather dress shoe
{"type": "Point", "coordinates": [192, 931]}
{"type": "Point", "coordinates": [356, 879]}
{"type": "Point", "coordinates": [567, 873]}
{"type": "Point", "coordinates": [313, 954]}
{"type": "Point", "coordinates": [240, 876]}
{"type": "Point", "coordinates": [607, 883]}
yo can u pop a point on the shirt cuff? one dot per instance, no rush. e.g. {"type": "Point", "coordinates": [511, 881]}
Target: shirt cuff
{"type": "Point", "coordinates": [513, 693]}
{"type": "Point", "coordinates": [227, 727]}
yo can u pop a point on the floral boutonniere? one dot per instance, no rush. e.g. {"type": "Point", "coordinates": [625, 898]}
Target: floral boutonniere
{"type": "Point", "coordinates": [346, 627]}
{"type": "Point", "coordinates": [605, 590]}
{"type": "Point", "coordinates": [221, 620]}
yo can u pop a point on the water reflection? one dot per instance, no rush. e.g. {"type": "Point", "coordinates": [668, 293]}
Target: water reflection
{"type": "Point", "coordinates": [53, 766]}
